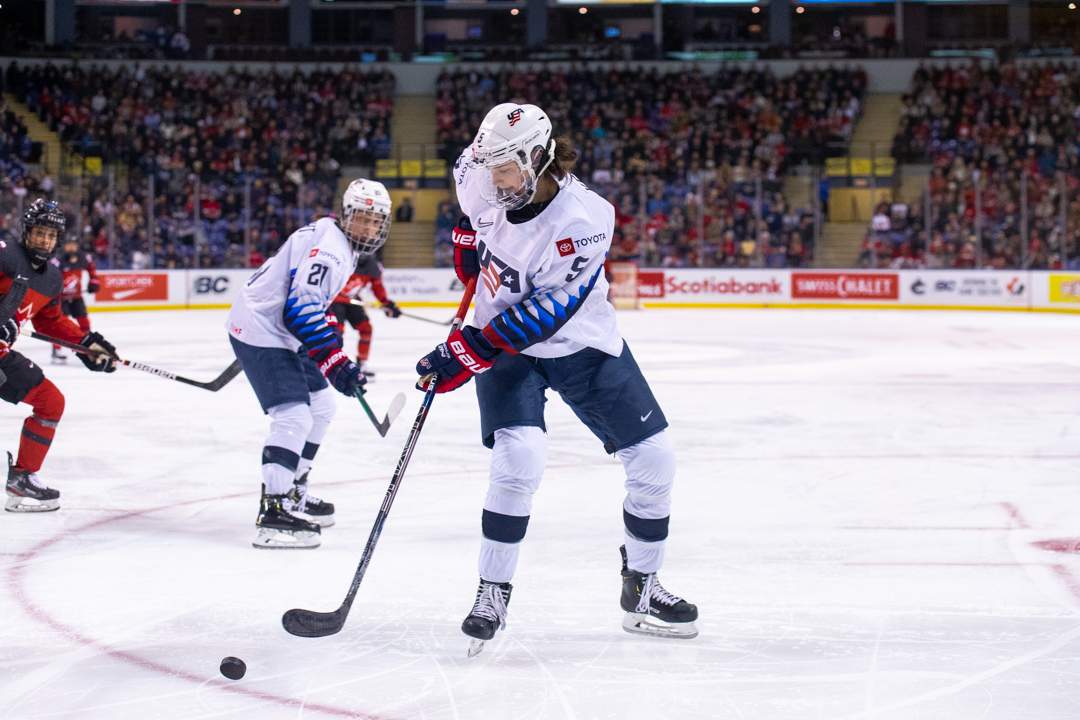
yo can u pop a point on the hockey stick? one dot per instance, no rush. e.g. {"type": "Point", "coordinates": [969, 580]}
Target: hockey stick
{"type": "Point", "coordinates": [361, 303]}
{"type": "Point", "coordinates": [310, 623]}
{"type": "Point", "coordinates": [214, 385]}
{"type": "Point", "coordinates": [383, 426]}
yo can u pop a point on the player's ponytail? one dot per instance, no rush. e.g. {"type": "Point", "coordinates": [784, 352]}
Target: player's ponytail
{"type": "Point", "coordinates": [566, 156]}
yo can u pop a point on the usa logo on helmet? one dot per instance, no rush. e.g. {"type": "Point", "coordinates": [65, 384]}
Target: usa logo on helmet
{"type": "Point", "coordinates": [514, 116]}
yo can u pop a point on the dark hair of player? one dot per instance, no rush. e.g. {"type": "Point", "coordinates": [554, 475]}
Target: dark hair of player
{"type": "Point", "coordinates": [566, 156]}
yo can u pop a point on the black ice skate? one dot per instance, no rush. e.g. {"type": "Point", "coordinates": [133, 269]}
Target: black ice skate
{"type": "Point", "coordinates": [652, 610]}
{"type": "Point", "coordinates": [26, 494]}
{"type": "Point", "coordinates": [300, 501]}
{"type": "Point", "coordinates": [58, 356]}
{"type": "Point", "coordinates": [488, 614]}
{"type": "Point", "coordinates": [278, 529]}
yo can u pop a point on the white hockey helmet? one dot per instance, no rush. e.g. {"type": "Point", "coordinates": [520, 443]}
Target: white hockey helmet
{"type": "Point", "coordinates": [514, 146]}
{"type": "Point", "coordinates": [365, 215]}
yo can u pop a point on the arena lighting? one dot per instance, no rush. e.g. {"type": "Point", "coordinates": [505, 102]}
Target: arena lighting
{"type": "Point", "coordinates": [236, 11]}
{"type": "Point", "coordinates": [755, 9]}
{"type": "Point", "coordinates": [1072, 6]}
{"type": "Point", "coordinates": [800, 10]}
{"type": "Point", "coordinates": [582, 10]}
{"type": "Point", "coordinates": [514, 11]}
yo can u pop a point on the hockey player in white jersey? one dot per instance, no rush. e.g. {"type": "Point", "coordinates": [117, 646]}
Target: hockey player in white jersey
{"type": "Point", "coordinates": [537, 237]}
{"type": "Point", "coordinates": [278, 331]}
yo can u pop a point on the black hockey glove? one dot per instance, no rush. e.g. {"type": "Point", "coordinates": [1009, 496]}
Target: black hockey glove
{"type": "Point", "coordinates": [9, 307]}
{"type": "Point", "coordinates": [391, 309]}
{"type": "Point", "coordinates": [9, 331]}
{"type": "Point", "coordinates": [105, 361]}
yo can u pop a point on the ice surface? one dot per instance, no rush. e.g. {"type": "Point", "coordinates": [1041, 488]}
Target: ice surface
{"type": "Point", "coordinates": [857, 512]}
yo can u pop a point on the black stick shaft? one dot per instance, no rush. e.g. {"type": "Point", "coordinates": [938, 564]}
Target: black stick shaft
{"type": "Point", "coordinates": [403, 463]}
{"type": "Point", "coordinates": [214, 385]}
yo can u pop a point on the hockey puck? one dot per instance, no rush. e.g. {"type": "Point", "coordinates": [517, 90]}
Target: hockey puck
{"type": "Point", "coordinates": [233, 668]}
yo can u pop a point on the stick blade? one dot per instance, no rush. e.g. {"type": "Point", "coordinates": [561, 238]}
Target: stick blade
{"type": "Point", "coordinates": [396, 406]}
{"type": "Point", "coordinates": [225, 377]}
{"type": "Point", "coordinates": [309, 623]}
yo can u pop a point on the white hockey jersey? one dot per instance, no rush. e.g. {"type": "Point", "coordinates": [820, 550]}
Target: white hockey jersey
{"type": "Point", "coordinates": [542, 290]}
{"type": "Point", "coordinates": [283, 305]}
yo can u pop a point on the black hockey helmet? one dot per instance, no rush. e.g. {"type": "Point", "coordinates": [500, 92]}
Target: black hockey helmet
{"type": "Point", "coordinates": [43, 213]}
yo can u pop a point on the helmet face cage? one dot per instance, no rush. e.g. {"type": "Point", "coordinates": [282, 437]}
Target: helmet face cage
{"type": "Point", "coordinates": [530, 168]}
{"type": "Point", "coordinates": [43, 213]}
{"type": "Point", "coordinates": [368, 243]}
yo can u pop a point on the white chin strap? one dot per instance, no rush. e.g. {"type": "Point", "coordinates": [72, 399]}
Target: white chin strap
{"type": "Point", "coordinates": [539, 173]}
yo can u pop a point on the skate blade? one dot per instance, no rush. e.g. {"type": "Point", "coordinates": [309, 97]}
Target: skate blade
{"type": "Point", "coordinates": [320, 520]}
{"type": "Point", "coordinates": [642, 624]}
{"type": "Point", "coordinates": [475, 647]}
{"type": "Point", "coordinates": [17, 504]}
{"type": "Point", "coordinates": [270, 539]}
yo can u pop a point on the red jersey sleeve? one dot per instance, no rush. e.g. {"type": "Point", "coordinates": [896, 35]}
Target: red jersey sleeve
{"type": "Point", "coordinates": [351, 290]}
{"type": "Point", "coordinates": [379, 289]}
{"type": "Point", "coordinates": [51, 321]}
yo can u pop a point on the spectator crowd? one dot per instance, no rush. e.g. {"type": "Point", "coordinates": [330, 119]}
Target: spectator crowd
{"type": "Point", "coordinates": [200, 156]}
{"type": "Point", "coordinates": [1003, 146]}
{"type": "Point", "coordinates": [693, 161]}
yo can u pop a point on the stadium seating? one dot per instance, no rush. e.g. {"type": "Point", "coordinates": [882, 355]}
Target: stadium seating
{"type": "Point", "coordinates": [693, 161]}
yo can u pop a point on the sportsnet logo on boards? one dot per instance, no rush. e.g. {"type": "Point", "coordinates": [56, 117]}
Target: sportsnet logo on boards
{"type": "Point", "coordinates": [514, 116]}
{"type": "Point", "coordinates": [565, 247]}
{"type": "Point", "coordinates": [119, 287]}
{"type": "Point", "coordinates": [845, 286]}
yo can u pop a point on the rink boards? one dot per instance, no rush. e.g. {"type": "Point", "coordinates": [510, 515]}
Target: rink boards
{"type": "Point", "coordinates": [1020, 290]}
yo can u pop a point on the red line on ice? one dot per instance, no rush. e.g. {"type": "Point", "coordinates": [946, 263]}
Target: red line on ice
{"type": "Point", "coordinates": [1014, 514]}
{"type": "Point", "coordinates": [1070, 581]}
{"type": "Point", "coordinates": [15, 581]}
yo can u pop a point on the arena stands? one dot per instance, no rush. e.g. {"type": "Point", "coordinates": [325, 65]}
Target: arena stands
{"type": "Point", "coordinates": [694, 162]}
{"type": "Point", "coordinates": [1004, 185]}
{"type": "Point", "coordinates": [206, 147]}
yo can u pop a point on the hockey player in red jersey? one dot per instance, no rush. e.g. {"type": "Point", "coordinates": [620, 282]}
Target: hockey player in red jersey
{"type": "Point", "coordinates": [72, 266]}
{"type": "Point", "coordinates": [368, 274]}
{"type": "Point", "coordinates": [30, 287]}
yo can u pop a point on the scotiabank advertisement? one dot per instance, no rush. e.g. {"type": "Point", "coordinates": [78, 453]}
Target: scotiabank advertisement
{"type": "Point", "coordinates": [694, 286]}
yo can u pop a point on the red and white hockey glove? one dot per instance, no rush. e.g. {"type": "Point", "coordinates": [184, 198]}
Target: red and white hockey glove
{"type": "Point", "coordinates": [464, 354]}
{"type": "Point", "coordinates": [466, 259]}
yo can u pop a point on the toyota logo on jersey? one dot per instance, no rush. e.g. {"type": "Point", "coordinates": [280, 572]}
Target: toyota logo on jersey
{"type": "Point", "coordinates": [565, 247]}
{"type": "Point", "coordinates": [514, 117]}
